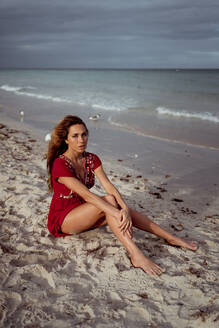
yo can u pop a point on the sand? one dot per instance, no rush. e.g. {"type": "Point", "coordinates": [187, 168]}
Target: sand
{"type": "Point", "coordinates": [87, 280]}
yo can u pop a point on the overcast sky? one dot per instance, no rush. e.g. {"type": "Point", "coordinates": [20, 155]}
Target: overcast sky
{"type": "Point", "coordinates": [109, 33]}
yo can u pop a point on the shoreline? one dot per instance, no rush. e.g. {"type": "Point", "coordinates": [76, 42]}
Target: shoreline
{"type": "Point", "coordinates": [162, 128]}
{"type": "Point", "coordinates": [87, 280]}
{"type": "Point", "coordinates": [192, 171]}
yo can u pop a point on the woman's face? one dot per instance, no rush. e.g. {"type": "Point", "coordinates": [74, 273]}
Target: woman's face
{"type": "Point", "coordinates": [77, 138]}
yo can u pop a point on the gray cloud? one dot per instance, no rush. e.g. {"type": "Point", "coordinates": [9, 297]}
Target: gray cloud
{"type": "Point", "coordinates": [99, 33]}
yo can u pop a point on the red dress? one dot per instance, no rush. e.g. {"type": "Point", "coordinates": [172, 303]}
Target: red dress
{"type": "Point", "coordinates": [64, 200]}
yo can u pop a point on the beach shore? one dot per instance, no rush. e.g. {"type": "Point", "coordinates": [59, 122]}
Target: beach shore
{"type": "Point", "coordinates": [87, 280]}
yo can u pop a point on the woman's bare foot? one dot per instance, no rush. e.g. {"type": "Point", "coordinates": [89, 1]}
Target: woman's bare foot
{"type": "Point", "coordinates": [175, 241]}
{"type": "Point", "coordinates": [140, 261]}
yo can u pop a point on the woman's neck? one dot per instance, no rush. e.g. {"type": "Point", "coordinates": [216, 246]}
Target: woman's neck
{"type": "Point", "coordinates": [74, 156]}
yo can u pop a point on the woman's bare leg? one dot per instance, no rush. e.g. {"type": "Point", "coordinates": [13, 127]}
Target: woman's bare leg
{"type": "Point", "coordinates": [138, 259]}
{"type": "Point", "coordinates": [142, 222]}
{"type": "Point", "coordinates": [85, 216]}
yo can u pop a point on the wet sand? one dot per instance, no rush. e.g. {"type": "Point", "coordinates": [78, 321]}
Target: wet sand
{"type": "Point", "coordinates": [87, 280]}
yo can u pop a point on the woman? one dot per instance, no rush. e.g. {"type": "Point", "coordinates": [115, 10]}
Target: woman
{"type": "Point", "coordinates": [75, 209]}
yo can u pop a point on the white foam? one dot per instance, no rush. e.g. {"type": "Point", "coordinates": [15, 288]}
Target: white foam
{"type": "Point", "coordinates": [21, 91]}
{"type": "Point", "coordinates": [206, 116]}
{"type": "Point", "coordinates": [7, 87]}
{"type": "Point", "coordinates": [24, 91]}
{"type": "Point", "coordinates": [96, 106]}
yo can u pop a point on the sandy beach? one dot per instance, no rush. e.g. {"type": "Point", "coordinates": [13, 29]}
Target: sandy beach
{"type": "Point", "coordinates": [87, 280]}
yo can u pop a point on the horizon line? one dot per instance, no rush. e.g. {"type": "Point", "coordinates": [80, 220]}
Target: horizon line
{"type": "Point", "coordinates": [112, 68]}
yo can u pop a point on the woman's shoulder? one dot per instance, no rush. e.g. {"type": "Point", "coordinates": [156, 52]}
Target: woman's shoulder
{"type": "Point", "coordinates": [62, 167]}
{"type": "Point", "coordinates": [59, 160]}
{"type": "Point", "coordinates": [62, 161]}
{"type": "Point", "coordinates": [91, 156]}
{"type": "Point", "coordinates": [92, 160]}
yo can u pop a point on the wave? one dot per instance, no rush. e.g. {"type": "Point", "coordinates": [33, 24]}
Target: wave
{"type": "Point", "coordinates": [24, 91]}
{"type": "Point", "coordinates": [7, 87]}
{"type": "Point", "coordinates": [184, 114]}
{"type": "Point", "coordinates": [104, 107]}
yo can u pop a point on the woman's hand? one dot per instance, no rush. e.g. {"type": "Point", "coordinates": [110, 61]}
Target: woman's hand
{"type": "Point", "coordinates": [126, 222]}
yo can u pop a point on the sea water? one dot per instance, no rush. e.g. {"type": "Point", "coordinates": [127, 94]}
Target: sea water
{"type": "Point", "coordinates": [176, 105]}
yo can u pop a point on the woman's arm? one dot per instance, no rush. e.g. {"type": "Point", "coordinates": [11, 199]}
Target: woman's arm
{"type": "Point", "coordinates": [126, 220]}
{"type": "Point", "coordinates": [76, 186]}
{"type": "Point", "coordinates": [109, 187]}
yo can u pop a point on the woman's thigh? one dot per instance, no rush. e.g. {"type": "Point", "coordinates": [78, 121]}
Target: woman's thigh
{"type": "Point", "coordinates": [86, 217]}
{"type": "Point", "coordinates": [81, 218]}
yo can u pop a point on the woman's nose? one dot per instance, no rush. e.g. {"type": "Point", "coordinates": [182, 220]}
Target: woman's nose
{"type": "Point", "coordinates": [81, 139]}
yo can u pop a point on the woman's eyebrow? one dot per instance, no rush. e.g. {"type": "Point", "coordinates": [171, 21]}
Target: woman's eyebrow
{"type": "Point", "coordinates": [76, 134]}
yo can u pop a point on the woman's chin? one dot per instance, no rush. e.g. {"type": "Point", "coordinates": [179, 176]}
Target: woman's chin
{"type": "Point", "coordinates": [81, 149]}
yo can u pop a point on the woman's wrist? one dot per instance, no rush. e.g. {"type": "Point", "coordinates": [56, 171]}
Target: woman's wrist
{"type": "Point", "coordinates": [125, 208]}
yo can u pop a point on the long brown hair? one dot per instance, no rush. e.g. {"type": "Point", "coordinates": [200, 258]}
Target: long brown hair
{"type": "Point", "coordinates": [57, 144]}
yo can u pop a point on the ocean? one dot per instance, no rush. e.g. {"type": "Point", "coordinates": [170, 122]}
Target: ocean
{"type": "Point", "coordinates": [181, 106]}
